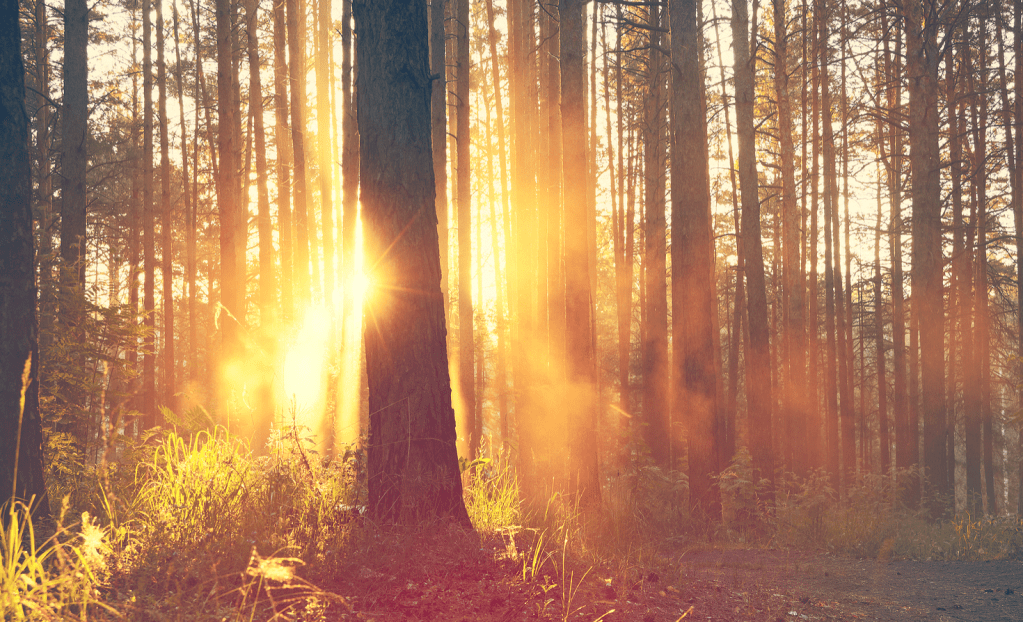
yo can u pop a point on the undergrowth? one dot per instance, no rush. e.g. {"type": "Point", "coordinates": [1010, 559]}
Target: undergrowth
{"type": "Point", "coordinates": [196, 521]}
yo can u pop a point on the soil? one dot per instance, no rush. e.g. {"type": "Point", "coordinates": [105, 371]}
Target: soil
{"type": "Point", "coordinates": [436, 575]}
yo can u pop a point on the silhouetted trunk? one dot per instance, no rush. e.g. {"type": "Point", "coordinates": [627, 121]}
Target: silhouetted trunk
{"type": "Point", "coordinates": [922, 69]}
{"type": "Point", "coordinates": [579, 345]}
{"type": "Point", "coordinates": [267, 282]}
{"type": "Point", "coordinates": [879, 342]}
{"type": "Point", "coordinates": [282, 139]}
{"type": "Point", "coordinates": [323, 144]}
{"type": "Point", "coordinates": [905, 438]}
{"type": "Point", "coordinates": [231, 282]}
{"type": "Point", "coordinates": [502, 383]}
{"type": "Point", "coordinates": [694, 395]}
{"type": "Point", "coordinates": [466, 335]}
{"type": "Point", "coordinates": [656, 361]}
{"type": "Point", "coordinates": [731, 399]}
{"type": "Point", "coordinates": [21, 441]}
{"type": "Point", "coordinates": [148, 226]}
{"type": "Point", "coordinates": [189, 213]}
{"type": "Point", "coordinates": [296, 71]}
{"type": "Point", "coordinates": [758, 361]}
{"type": "Point", "coordinates": [439, 125]}
{"type": "Point", "coordinates": [44, 176]}
{"type": "Point", "coordinates": [166, 225]}
{"type": "Point", "coordinates": [959, 274]}
{"type": "Point", "coordinates": [794, 301]}
{"type": "Point", "coordinates": [412, 462]}
{"type": "Point", "coordinates": [349, 155]}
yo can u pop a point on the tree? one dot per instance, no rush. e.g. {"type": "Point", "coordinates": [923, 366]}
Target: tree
{"type": "Point", "coordinates": [758, 366]}
{"type": "Point", "coordinates": [413, 464]}
{"type": "Point", "coordinates": [466, 341]}
{"type": "Point", "coordinates": [694, 394]}
{"type": "Point", "coordinates": [656, 361]}
{"type": "Point", "coordinates": [21, 441]}
{"type": "Point", "coordinates": [921, 19]}
{"type": "Point", "coordinates": [583, 475]}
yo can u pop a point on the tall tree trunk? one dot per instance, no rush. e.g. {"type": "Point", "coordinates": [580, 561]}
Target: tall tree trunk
{"type": "Point", "coordinates": [579, 345]}
{"type": "Point", "coordinates": [73, 159]}
{"type": "Point", "coordinates": [231, 282]}
{"type": "Point", "coordinates": [694, 395]}
{"type": "Point", "coordinates": [466, 336]}
{"type": "Point", "coordinates": [439, 125]}
{"type": "Point", "coordinates": [982, 329]}
{"type": "Point", "coordinates": [282, 138]}
{"type": "Point", "coordinates": [959, 275]}
{"type": "Point", "coordinates": [323, 144]}
{"type": "Point", "coordinates": [349, 154]}
{"type": "Point", "coordinates": [148, 225]}
{"type": "Point", "coordinates": [905, 438]}
{"type": "Point", "coordinates": [296, 70]}
{"type": "Point", "coordinates": [555, 277]}
{"type": "Point", "coordinates": [413, 464]}
{"type": "Point", "coordinates": [44, 176]}
{"type": "Point", "coordinates": [501, 379]}
{"type": "Point", "coordinates": [758, 372]}
{"type": "Point", "coordinates": [167, 226]}
{"type": "Point", "coordinates": [922, 68]}
{"type": "Point", "coordinates": [656, 361]}
{"type": "Point", "coordinates": [731, 401]}
{"type": "Point", "coordinates": [267, 282]}
{"type": "Point", "coordinates": [794, 300]}
{"type": "Point", "coordinates": [21, 440]}
{"type": "Point", "coordinates": [879, 343]}
{"type": "Point", "coordinates": [190, 350]}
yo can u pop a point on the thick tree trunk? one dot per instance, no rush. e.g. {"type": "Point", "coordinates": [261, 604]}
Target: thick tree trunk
{"type": "Point", "coordinates": [73, 159]}
{"type": "Point", "coordinates": [231, 282]}
{"type": "Point", "coordinates": [583, 476]}
{"type": "Point", "coordinates": [694, 395]}
{"type": "Point", "coordinates": [21, 441]}
{"type": "Point", "coordinates": [413, 464]}
{"type": "Point", "coordinates": [466, 336]}
{"type": "Point", "coordinates": [656, 358]}
{"type": "Point", "coordinates": [793, 399]}
{"type": "Point", "coordinates": [922, 69]}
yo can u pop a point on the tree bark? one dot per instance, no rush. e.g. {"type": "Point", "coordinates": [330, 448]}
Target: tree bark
{"type": "Point", "coordinates": [656, 358]}
{"type": "Point", "coordinates": [413, 464]}
{"type": "Point", "coordinates": [758, 372]}
{"type": "Point", "coordinates": [694, 395]}
{"type": "Point", "coordinates": [167, 213]}
{"type": "Point", "coordinates": [323, 146]}
{"type": "Point", "coordinates": [922, 69]}
{"type": "Point", "coordinates": [296, 71]}
{"type": "Point", "coordinates": [21, 441]}
{"type": "Point", "coordinates": [583, 475]}
{"type": "Point", "coordinates": [466, 336]}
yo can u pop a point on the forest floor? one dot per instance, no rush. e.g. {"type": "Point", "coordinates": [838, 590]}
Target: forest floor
{"type": "Point", "coordinates": [447, 576]}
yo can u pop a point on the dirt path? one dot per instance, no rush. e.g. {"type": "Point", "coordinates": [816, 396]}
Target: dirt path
{"type": "Point", "coordinates": [437, 581]}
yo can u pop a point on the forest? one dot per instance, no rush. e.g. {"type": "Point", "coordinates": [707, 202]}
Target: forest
{"type": "Point", "coordinates": [299, 297]}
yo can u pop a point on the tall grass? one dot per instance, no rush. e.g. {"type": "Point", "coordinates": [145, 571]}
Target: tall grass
{"type": "Point", "coordinates": [60, 577]}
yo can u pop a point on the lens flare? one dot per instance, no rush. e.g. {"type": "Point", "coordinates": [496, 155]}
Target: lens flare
{"type": "Point", "coordinates": [304, 373]}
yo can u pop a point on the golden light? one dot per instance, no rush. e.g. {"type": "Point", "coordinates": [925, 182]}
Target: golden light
{"type": "Point", "coordinates": [304, 372]}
